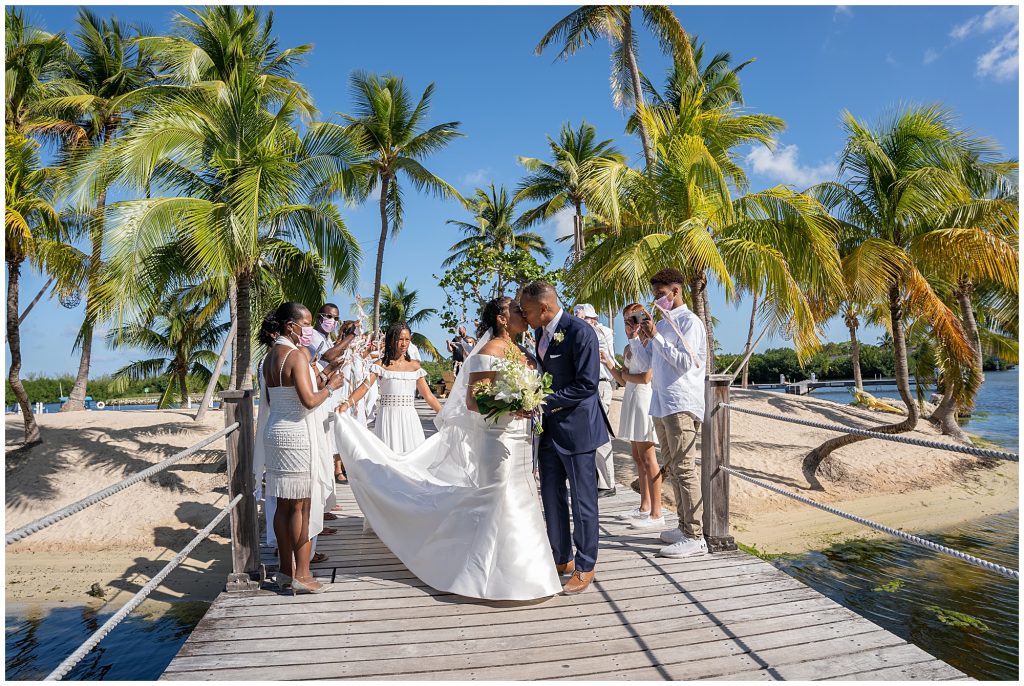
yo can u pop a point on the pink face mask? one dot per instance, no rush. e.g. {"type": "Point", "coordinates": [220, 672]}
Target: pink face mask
{"type": "Point", "coordinates": [666, 302]}
{"type": "Point", "coordinates": [328, 325]}
{"type": "Point", "coordinates": [306, 338]}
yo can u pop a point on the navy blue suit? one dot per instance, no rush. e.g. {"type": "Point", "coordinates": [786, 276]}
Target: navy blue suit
{"type": "Point", "coordinates": [574, 426]}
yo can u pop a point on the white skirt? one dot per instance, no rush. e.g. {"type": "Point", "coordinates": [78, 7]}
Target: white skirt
{"type": "Point", "coordinates": [635, 423]}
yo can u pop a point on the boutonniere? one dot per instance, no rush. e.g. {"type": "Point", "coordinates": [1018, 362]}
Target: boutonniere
{"type": "Point", "coordinates": [558, 337]}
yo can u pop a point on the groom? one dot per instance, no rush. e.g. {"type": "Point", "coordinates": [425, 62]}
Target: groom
{"type": "Point", "coordinates": [574, 426]}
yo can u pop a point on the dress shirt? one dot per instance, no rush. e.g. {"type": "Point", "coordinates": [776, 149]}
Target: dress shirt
{"type": "Point", "coordinates": [678, 379]}
{"type": "Point", "coordinates": [548, 334]}
{"type": "Point", "coordinates": [606, 341]}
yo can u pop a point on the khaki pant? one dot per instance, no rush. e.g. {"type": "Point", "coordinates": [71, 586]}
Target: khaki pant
{"type": "Point", "coordinates": [677, 434]}
{"type": "Point", "coordinates": [605, 458]}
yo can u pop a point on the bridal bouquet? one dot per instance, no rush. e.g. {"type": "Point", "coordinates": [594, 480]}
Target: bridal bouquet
{"type": "Point", "coordinates": [517, 388]}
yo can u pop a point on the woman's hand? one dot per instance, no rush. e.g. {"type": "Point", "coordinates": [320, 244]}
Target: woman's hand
{"type": "Point", "coordinates": [607, 362]}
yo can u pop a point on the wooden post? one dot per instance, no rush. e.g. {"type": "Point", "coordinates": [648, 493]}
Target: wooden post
{"type": "Point", "coordinates": [246, 572]}
{"type": "Point", "coordinates": [714, 453]}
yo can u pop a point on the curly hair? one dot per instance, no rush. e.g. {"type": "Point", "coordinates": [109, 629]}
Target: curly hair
{"type": "Point", "coordinates": [274, 323]}
{"type": "Point", "coordinates": [394, 332]}
{"type": "Point", "coordinates": [490, 313]}
{"type": "Point", "coordinates": [668, 277]}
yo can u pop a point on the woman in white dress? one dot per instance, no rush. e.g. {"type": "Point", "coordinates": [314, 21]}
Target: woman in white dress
{"type": "Point", "coordinates": [399, 378]}
{"type": "Point", "coordinates": [461, 511]}
{"type": "Point", "coordinates": [637, 427]}
{"type": "Point", "coordinates": [293, 443]}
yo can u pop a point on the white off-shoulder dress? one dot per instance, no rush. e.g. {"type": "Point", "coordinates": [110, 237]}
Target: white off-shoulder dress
{"type": "Point", "coordinates": [398, 424]}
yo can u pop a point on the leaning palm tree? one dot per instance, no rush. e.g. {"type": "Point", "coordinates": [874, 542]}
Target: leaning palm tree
{"type": "Point", "coordinates": [903, 176]}
{"type": "Point", "coordinates": [398, 304]}
{"type": "Point", "coordinates": [34, 234]}
{"type": "Point", "coordinates": [109, 74]}
{"type": "Point", "coordinates": [182, 339]}
{"type": "Point", "coordinates": [496, 228]}
{"type": "Point", "coordinates": [390, 128]}
{"type": "Point", "coordinates": [583, 173]}
{"type": "Point", "coordinates": [582, 26]}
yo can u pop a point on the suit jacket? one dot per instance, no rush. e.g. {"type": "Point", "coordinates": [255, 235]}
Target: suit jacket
{"type": "Point", "coordinates": [574, 421]}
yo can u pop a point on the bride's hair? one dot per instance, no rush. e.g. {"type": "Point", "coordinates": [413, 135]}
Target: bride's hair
{"type": "Point", "coordinates": [394, 332]}
{"type": "Point", "coordinates": [489, 315]}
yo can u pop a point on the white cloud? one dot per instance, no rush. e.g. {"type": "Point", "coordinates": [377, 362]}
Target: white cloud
{"type": "Point", "coordinates": [783, 165]}
{"type": "Point", "coordinates": [562, 222]}
{"type": "Point", "coordinates": [1002, 59]}
{"type": "Point", "coordinates": [476, 178]}
{"type": "Point", "coordinates": [930, 56]}
{"type": "Point", "coordinates": [889, 59]}
{"type": "Point", "coordinates": [842, 12]}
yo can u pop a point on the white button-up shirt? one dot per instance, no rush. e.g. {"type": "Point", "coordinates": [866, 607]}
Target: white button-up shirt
{"type": "Point", "coordinates": [548, 333]}
{"type": "Point", "coordinates": [678, 378]}
{"type": "Point", "coordinates": [606, 342]}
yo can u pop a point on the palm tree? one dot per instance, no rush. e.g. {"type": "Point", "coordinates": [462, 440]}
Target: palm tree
{"type": "Point", "coordinates": [34, 234]}
{"type": "Point", "coordinates": [683, 213]}
{"type": "Point", "coordinates": [108, 72]}
{"type": "Point", "coordinates": [238, 193]}
{"type": "Point", "coordinates": [398, 304]}
{"type": "Point", "coordinates": [583, 172]}
{"type": "Point", "coordinates": [496, 228]}
{"type": "Point", "coordinates": [182, 339]}
{"type": "Point", "coordinates": [389, 128]}
{"type": "Point", "coordinates": [615, 23]}
{"type": "Point", "coordinates": [904, 176]}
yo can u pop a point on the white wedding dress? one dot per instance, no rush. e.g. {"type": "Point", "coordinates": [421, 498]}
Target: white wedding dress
{"type": "Point", "coordinates": [461, 510]}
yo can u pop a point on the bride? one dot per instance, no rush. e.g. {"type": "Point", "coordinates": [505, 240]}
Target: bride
{"type": "Point", "coordinates": [461, 510]}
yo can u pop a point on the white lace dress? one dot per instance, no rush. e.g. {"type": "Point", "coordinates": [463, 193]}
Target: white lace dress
{"type": "Point", "coordinates": [635, 423]}
{"type": "Point", "coordinates": [460, 511]}
{"type": "Point", "coordinates": [398, 424]}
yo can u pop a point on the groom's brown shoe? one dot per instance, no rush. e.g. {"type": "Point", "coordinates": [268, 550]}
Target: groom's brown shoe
{"type": "Point", "coordinates": [568, 568]}
{"type": "Point", "coordinates": [578, 582]}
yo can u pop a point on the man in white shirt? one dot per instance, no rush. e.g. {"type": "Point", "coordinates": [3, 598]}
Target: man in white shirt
{"type": "Point", "coordinates": [414, 353]}
{"type": "Point", "coordinates": [676, 352]}
{"type": "Point", "coordinates": [605, 455]}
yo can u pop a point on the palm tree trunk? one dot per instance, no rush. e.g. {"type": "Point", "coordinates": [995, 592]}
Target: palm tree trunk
{"type": "Point", "coordinates": [385, 184]}
{"type": "Point", "coordinates": [183, 387]}
{"type": "Point", "coordinates": [899, 340]}
{"type": "Point", "coordinates": [212, 386]}
{"type": "Point", "coordinates": [958, 400]}
{"type": "Point", "coordinates": [233, 307]}
{"type": "Point", "coordinates": [76, 398]}
{"type": "Point", "coordinates": [243, 339]}
{"type": "Point", "coordinates": [852, 323]}
{"type": "Point", "coordinates": [21, 317]}
{"type": "Point", "coordinates": [750, 340]}
{"type": "Point", "coordinates": [579, 242]}
{"type": "Point", "coordinates": [14, 341]}
{"type": "Point", "coordinates": [702, 308]}
{"type": "Point", "coordinates": [638, 93]}
{"type": "Point", "coordinates": [963, 295]}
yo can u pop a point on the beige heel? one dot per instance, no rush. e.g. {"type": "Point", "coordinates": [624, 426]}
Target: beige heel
{"type": "Point", "coordinates": [299, 587]}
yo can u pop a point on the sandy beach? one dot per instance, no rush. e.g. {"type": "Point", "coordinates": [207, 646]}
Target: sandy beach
{"type": "Point", "coordinates": [121, 543]}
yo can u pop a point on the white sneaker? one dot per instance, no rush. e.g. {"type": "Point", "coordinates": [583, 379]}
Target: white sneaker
{"type": "Point", "coordinates": [649, 523]}
{"type": "Point", "coordinates": [672, 536]}
{"type": "Point", "coordinates": [688, 547]}
{"type": "Point", "coordinates": [635, 513]}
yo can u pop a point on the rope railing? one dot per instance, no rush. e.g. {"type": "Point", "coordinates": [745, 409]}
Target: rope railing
{"type": "Point", "coordinates": [54, 517]}
{"type": "Point", "coordinates": [74, 658]}
{"type": "Point", "coordinates": [895, 438]}
{"type": "Point", "coordinates": [910, 538]}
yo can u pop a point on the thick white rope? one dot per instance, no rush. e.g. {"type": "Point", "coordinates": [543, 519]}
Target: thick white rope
{"type": "Point", "coordinates": [54, 517]}
{"type": "Point", "coordinates": [74, 658]}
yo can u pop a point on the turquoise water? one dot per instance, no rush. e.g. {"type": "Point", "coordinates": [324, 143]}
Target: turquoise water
{"type": "Point", "coordinates": [38, 638]}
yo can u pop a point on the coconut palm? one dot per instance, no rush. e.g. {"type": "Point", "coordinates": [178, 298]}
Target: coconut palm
{"type": "Point", "coordinates": [496, 228]}
{"type": "Point", "coordinates": [34, 234]}
{"type": "Point", "coordinates": [105, 75]}
{"type": "Point", "coordinates": [614, 23]}
{"type": "Point", "coordinates": [181, 337]}
{"type": "Point", "coordinates": [398, 305]}
{"type": "Point", "coordinates": [583, 173]}
{"type": "Point", "coordinates": [391, 130]}
{"type": "Point", "coordinates": [903, 189]}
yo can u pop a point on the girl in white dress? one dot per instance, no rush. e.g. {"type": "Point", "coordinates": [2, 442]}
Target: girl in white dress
{"type": "Point", "coordinates": [637, 427]}
{"type": "Point", "coordinates": [461, 511]}
{"type": "Point", "coordinates": [399, 378]}
{"type": "Point", "coordinates": [294, 443]}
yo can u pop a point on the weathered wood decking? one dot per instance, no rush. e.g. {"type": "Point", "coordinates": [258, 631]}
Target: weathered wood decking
{"type": "Point", "coordinates": [723, 616]}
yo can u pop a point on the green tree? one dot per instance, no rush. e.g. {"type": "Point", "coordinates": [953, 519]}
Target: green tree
{"type": "Point", "coordinates": [390, 128]}
{"type": "Point", "coordinates": [33, 234]}
{"type": "Point", "coordinates": [182, 340]}
{"type": "Point", "coordinates": [902, 176]}
{"type": "Point", "coordinates": [614, 23]}
{"type": "Point", "coordinates": [583, 173]}
{"type": "Point", "coordinates": [398, 305]}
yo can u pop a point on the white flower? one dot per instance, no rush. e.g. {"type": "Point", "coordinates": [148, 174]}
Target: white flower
{"type": "Point", "coordinates": [558, 337]}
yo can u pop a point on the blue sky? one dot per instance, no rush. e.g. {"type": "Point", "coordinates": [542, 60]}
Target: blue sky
{"type": "Point", "coordinates": [812, 63]}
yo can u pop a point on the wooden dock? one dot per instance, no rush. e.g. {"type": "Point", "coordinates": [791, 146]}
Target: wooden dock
{"type": "Point", "coordinates": [722, 616]}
